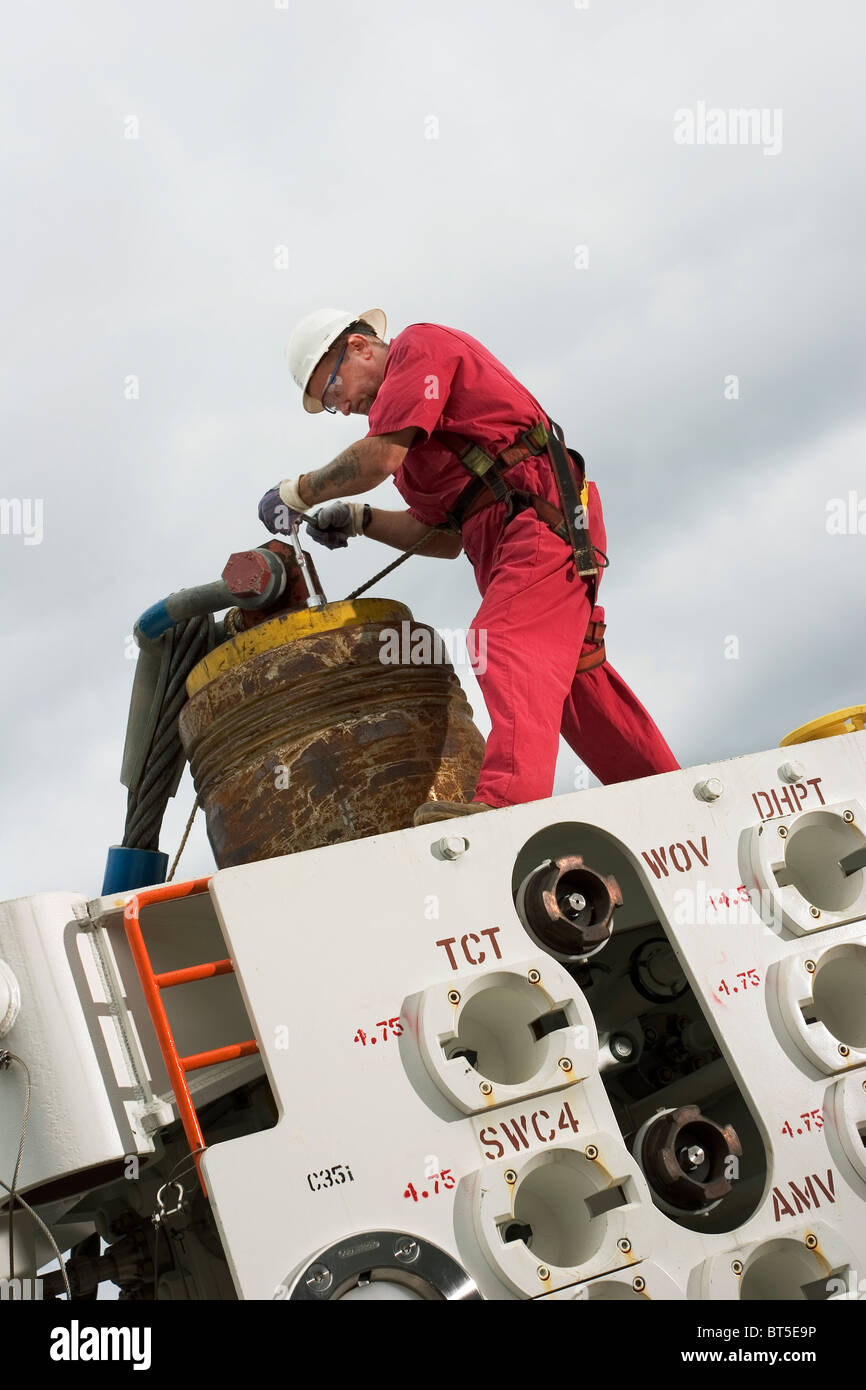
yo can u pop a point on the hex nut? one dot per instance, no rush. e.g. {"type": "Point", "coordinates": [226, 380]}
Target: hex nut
{"type": "Point", "coordinates": [452, 846]}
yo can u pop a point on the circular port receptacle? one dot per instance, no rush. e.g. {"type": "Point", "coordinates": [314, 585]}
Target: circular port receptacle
{"type": "Point", "coordinates": [820, 999]}
{"type": "Point", "coordinates": [784, 1270]}
{"type": "Point", "coordinates": [495, 1031]}
{"type": "Point", "coordinates": [839, 993]}
{"type": "Point", "coordinates": [814, 846]}
{"type": "Point", "coordinates": [551, 1201]}
{"type": "Point", "coordinates": [510, 1033]}
{"type": "Point", "coordinates": [382, 1265]}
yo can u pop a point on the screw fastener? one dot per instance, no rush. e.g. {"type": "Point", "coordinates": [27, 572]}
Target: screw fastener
{"type": "Point", "coordinates": [485, 1088]}
{"type": "Point", "coordinates": [319, 1279]}
{"type": "Point", "coordinates": [453, 996]}
{"type": "Point", "coordinates": [737, 1266]}
{"type": "Point", "coordinates": [638, 1284]}
{"type": "Point", "coordinates": [407, 1249]}
{"type": "Point", "coordinates": [590, 1151]}
{"type": "Point", "coordinates": [624, 1245]}
{"type": "Point", "coordinates": [543, 1272]}
{"type": "Point", "coordinates": [811, 967]}
{"type": "Point", "coordinates": [564, 1064]}
{"type": "Point", "coordinates": [815, 912]}
{"type": "Point", "coordinates": [783, 830]}
{"type": "Point", "coordinates": [848, 816]}
{"type": "Point", "coordinates": [843, 1050]}
{"type": "Point", "coordinates": [510, 1176]}
{"type": "Point", "coordinates": [533, 977]}
{"type": "Point", "coordinates": [811, 1242]}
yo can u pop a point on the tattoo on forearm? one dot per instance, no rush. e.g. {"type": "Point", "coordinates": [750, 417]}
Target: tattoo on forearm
{"type": "Point", "coordinates": [346, 468]}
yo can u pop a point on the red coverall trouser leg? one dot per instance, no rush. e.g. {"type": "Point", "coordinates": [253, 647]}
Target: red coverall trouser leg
{"type": "Point", "coordinates": [525, 642]}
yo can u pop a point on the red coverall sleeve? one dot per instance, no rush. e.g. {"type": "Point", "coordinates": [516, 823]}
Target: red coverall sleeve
{"type": "Point", "coordinates": [421, 364]}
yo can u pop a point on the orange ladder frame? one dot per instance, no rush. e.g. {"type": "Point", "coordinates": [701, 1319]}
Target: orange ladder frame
{"type": "Point", "coordinates": [151, 984]}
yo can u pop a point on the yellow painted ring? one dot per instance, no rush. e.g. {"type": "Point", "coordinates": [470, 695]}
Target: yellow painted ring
{"type": "Point", "coordinates": [290, 627]}
{"type": "Point", "coordinates": [841, 721]}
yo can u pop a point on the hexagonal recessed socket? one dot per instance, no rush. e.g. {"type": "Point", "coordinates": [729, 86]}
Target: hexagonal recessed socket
{"type": "Point", "coordinates": [684, 1156]}
{"type": "Point", "coordinates": [568, 907]}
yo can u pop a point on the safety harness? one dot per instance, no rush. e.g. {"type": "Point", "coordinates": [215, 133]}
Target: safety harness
{"type": "Point", "coordinates": [488, 485]}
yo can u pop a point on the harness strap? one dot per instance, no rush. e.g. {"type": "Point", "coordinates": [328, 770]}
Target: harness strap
{"type": "Point", "coordinates": [571, 524]}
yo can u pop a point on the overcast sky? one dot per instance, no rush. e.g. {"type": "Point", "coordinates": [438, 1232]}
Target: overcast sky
{"type": "Point", "coordinates": [184, 181]}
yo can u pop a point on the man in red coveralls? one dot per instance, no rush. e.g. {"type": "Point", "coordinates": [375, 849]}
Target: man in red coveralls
{"type": "Point", "coordinates": [427, 386]}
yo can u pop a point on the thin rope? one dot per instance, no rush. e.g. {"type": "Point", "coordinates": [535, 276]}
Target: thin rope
{"type": "Point", "coordinates": [388, 568]}
{"type": "Point", "coordinates": [192, 815]}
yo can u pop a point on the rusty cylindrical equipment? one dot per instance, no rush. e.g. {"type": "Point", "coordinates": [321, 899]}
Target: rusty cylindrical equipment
{"type": "Point", "coordinates": [306, 731]}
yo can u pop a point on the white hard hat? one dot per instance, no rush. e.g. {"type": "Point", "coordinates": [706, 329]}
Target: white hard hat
{"type": "Point", "coordinates": [312, 337]}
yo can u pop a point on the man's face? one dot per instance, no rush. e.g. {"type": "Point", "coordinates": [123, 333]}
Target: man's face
{"type": "Point", "coordinates": [359, 378]}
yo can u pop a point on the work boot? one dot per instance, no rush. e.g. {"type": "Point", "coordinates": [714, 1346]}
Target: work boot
{"type": "Point", "coordinates": [444, 810]}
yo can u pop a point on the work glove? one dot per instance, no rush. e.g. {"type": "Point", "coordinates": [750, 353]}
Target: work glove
{"type": "Point", "coordinates": [335, 522]}
{"type": "Point", "coordinates": [282, 506]}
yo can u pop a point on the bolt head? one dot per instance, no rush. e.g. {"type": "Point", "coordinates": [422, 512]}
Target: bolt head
{"type": "Point", "coordinates": [792, 772]}
{"type": "Point", "coordinates": [543, 1272]}
{"type": "Point", "coordinates": [737, 1266]}
{"type": "Point", "coordinates": [709, 790]}
{"type": "Point", "coordinates": [814, 912]}
{"type": "Point", "coordinates": [843, 1050]}
{"type": "Point", "coordinates": [638, 1284]}
{"type": "Point", "coordinates": [848, 816]}
{"type": "Point", "coordinates": [590, 1151]}
{"type": "Point", "coordinates": [810, 967]}
{"type": "Point", "coordinates": [621, 1046]}
{"type": "Point", "coordinates": [453, 996]}
{"type": "Point", "coordinates": [811, 1241]}
{"type": "Point", "coordinates": [693, 1156]}
{"type": "Point", "coordinates": [783, 830]}
{"type": "Point", "coordinates": [452, 846]}
{"type": "Point", "coordinates": [510, 1176]}
{"type": "Point", "coordinates": [247, 573]}
{"type": "Point", "coordinates": [564, 1064]}
{"type": "Point", "coordinates": [533, 977]}
{"type": "Point", "coordinates": [576, 901]}
{"type": "Point", "coordinates": [624, 1245]}
{"type": "Point", "coordinates": [485, 1088]}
